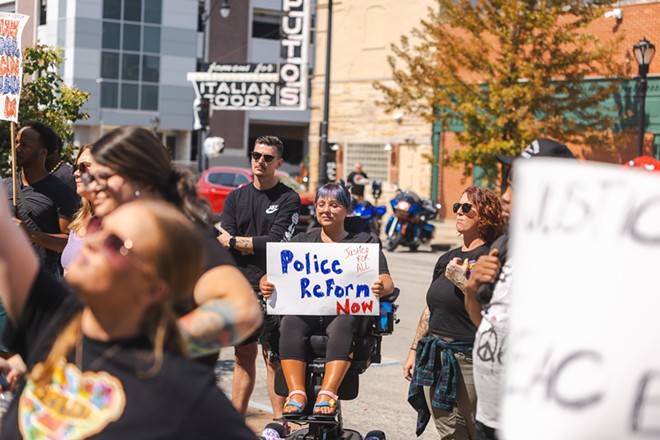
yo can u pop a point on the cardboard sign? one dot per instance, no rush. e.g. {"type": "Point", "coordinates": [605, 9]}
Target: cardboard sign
{"type": "Point", "coordinates": [322, 278]}
{"type": "Point", "coordinates": [11, 64]}
{"type": "Point", "coordinates": [583, 358]}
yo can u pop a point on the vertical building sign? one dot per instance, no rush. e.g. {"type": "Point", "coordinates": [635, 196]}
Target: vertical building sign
{"type": "Point", "coordinates": [11, 64]}
{"type": "Point", "coordinates": [264, 86]}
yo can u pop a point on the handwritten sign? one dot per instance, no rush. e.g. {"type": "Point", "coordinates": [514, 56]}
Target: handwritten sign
{"type": "Point", "coordinates": [582, 358]}
{"type": "Point", "coordinates": [322, 278]}
{"type": "Point", "coordinates": [11, 64]}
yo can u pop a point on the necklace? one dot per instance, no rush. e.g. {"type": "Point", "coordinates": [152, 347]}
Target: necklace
{"type": "Point", "coordinates": [59, 164]}
{"type": "Point", "coordinates": [100, 360]}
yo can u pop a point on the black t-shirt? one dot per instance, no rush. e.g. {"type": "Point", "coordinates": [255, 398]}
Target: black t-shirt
{"type": "Point", "coordinates": [111, 398]}
{"type": "Point", "coordinates": [446, 302]}
{"type": "Point", "coordinates": [356, 188]}
{"type": "Point", "coordinates": [65, 174]}
{"type": "Point", "coordinates": [41, 207]}
{"type": "Point", "coordinates": [266, 216]}
{"type": "Point", "coordinates": [352, 237]}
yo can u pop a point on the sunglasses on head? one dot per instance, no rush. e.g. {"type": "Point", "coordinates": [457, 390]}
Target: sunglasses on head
{"type": "Point", "coordinates": [82, 167]}
{"type": "Point", "coordinates": [267, 157]}
{"type": "Point", "coordinates": [465, 207]}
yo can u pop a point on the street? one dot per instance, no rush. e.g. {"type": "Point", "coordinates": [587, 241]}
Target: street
{"type": "Point", "coordinates": [382, 402]}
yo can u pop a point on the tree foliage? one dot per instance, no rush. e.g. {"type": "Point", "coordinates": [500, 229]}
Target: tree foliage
{"type": "Point", "coordinates": [45, 98]}
{"type": "Point", "coordinates": [509, 71]}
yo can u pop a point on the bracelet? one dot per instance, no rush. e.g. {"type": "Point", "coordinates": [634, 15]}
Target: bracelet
{"type": "Point", "coordinates": [413, 348]}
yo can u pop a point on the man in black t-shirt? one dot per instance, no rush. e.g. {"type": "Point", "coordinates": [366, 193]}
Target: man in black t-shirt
{"type": "Point", "coordinates": [263, 211]}
{"type": "Point", "coordinates": [356, 179]}
{"type": "Point", "coordinates": [45, 205]}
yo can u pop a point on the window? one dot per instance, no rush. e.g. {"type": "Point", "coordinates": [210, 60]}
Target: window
{"type": "Point", "coordinates": [222, 179]}
{"type": "Point", "coordinates": [241, 180]}
{"type": "Point", "coordinates": [373, 157]}
{"type": "Point", "coordinates": [43, 9]}
{"type": "Point", "coordinates": [266, 24]}
{"type": "Point", "coordinates": [130, 59]}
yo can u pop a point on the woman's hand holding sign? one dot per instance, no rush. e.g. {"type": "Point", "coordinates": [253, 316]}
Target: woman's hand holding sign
{"type": "Point", "coordinates": [265, 287]}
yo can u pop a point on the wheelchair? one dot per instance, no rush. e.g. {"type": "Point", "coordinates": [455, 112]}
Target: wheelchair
{"type": "Point", "coordinates": [367, 350]}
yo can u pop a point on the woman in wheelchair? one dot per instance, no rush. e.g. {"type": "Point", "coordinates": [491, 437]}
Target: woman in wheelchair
{"type": "Point", "coordinates": [332, 204]}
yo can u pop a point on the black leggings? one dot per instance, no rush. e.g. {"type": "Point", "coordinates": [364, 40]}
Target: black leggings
{"type": "Point", "coordinates": [340, 330]}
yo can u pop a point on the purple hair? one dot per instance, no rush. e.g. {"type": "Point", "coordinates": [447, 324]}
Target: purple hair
{"type": "Point", "coordinates": [334, 191]}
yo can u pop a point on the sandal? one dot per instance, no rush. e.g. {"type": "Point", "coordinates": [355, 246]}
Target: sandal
{"type": "Point", "coordinates": [299, 406]}
{"type": "Point", "coordinates": [331, 403]}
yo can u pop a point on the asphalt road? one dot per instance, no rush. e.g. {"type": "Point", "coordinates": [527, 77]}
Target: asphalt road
{"type": "Point", "coordinates": [382, 402]}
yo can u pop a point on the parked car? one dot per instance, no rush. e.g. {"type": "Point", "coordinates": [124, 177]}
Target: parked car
{"type": "Point", "coordinates": [216, 183]}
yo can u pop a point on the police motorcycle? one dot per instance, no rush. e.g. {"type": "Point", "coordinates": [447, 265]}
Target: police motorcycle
{"type": "Point", "coordinates": [409, 225]}
{"type": "Point", "coordinates": [367, 351]}
{"type": "Point", "coordinates": [371, 214]}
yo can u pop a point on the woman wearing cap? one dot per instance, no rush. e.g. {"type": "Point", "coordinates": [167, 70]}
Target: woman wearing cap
{"type": "Point", "coordinates": [108, 361]}
{"type": "Point", "coordinates": [446, 325]}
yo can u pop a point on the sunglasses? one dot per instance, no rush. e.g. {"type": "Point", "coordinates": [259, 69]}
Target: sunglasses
{"type": "Point", "coordinates": [465, 207]}
{"type": "Point", "coordinates": [82, 167]}
{"type": "Point", "coordinates": [115, 246]}
{"type": "Point", "coordinates": [101, 181]}
{"type": "Point", "coordinates": [267, 157]}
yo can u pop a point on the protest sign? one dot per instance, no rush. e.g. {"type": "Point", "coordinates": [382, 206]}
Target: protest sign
{"type": "Point", "coordinates": [581, 357]}
{"type": "Point", "coordinates": [322, 278]}
{"type": "Point", "coordinates": [11, 64]}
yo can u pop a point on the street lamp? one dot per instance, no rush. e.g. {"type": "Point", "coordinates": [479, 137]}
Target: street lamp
{"type": "Point", "coordinates": [644, 52]}
{"type": "Point", "coordinates": [225, 9]}
{"type": "Point", "coordinates": [323, 144]}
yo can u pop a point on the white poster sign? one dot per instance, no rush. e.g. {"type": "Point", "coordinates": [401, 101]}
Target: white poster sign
{"type": "Point", "coordinates": [582, 357]}
{"type": "Point", "coordinates": [11, 64]}
{"type": "Point", "coordinates": [322, 278]}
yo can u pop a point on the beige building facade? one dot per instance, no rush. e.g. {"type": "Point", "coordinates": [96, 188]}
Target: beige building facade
{"type": "Point", "coordinates": [391, 146]}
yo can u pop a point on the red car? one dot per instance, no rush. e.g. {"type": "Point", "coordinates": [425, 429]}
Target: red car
{"type": "Point", "coordinates": [215, 183]}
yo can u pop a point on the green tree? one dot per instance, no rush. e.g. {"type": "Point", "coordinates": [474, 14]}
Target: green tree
{"type": "Point", "coordinates": [44, 98]}
{"type": "Point", "coordinates": [509, 71]}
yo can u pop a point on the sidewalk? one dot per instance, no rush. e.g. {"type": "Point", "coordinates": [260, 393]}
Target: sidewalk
{"type": "Point", "coordinates": [445, 236]}
{"type": "Point", "coordinates": [257, 420]}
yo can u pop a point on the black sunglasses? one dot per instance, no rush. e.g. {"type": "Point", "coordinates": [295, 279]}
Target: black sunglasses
{"type": "Point", "coordinates": [82, 167]}
{"type": "Point", "coordinates": [465, 207]}
{"type": "Point", "coordinates": [267, 157]}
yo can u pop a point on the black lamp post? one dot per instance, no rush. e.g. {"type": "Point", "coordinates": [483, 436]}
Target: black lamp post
{"type": "Point", "coordinates": [323, 144]}
{"type": "Point", "coordinates": [644, 52]}
{"type": "Point", "coordinates": [202, 106]}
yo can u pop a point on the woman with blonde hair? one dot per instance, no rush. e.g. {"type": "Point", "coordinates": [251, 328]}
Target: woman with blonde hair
{"type": "Point", "coordinates": [77, 226]}
{"type": "Point", "coordinates": [108, 361]}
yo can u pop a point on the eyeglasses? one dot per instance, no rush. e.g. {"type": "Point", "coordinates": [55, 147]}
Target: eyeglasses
{"type": "Point", "coordinates": [465, 207]}
{"type": "Point", "coordinates": [100, 179]}
{"type": "Point", "coordinates": [82, 167]}
{"type": "Point", "coordinates": [267, 157]}
{"type": "Point", "coordinates": [115, 246]}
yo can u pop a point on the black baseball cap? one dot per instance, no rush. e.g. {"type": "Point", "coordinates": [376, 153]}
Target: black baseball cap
{"type": "Point", "coordinates": [542, 147]}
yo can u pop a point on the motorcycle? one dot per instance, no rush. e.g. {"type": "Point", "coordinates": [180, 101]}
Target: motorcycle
{"type": "Point", "coordinates": [371, 214]}
{"type": "Point", "coordinates": [410, 223]}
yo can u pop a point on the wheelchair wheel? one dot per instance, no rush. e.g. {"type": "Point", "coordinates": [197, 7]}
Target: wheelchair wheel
{"type": "Point", "coordinates": [273, 431]}
{"type": "Point", "coordinates": [375, 435]}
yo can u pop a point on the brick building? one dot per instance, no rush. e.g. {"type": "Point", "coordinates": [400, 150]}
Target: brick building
{"type": "Point", "coordinates": [392, 146]}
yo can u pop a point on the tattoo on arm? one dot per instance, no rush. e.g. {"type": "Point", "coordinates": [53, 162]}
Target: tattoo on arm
{"type": "Point", "coordinates": [208, 328]}
{"type": "Point", "coordinates": [456, 275]}
{"type": "Point", "coordinates": [422, 328]}
{"type": "Point", "coordinates": [244, 245]}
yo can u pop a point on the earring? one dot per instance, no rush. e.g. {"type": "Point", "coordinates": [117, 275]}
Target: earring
{"type": "Point", "coordinates": [137, 193]}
